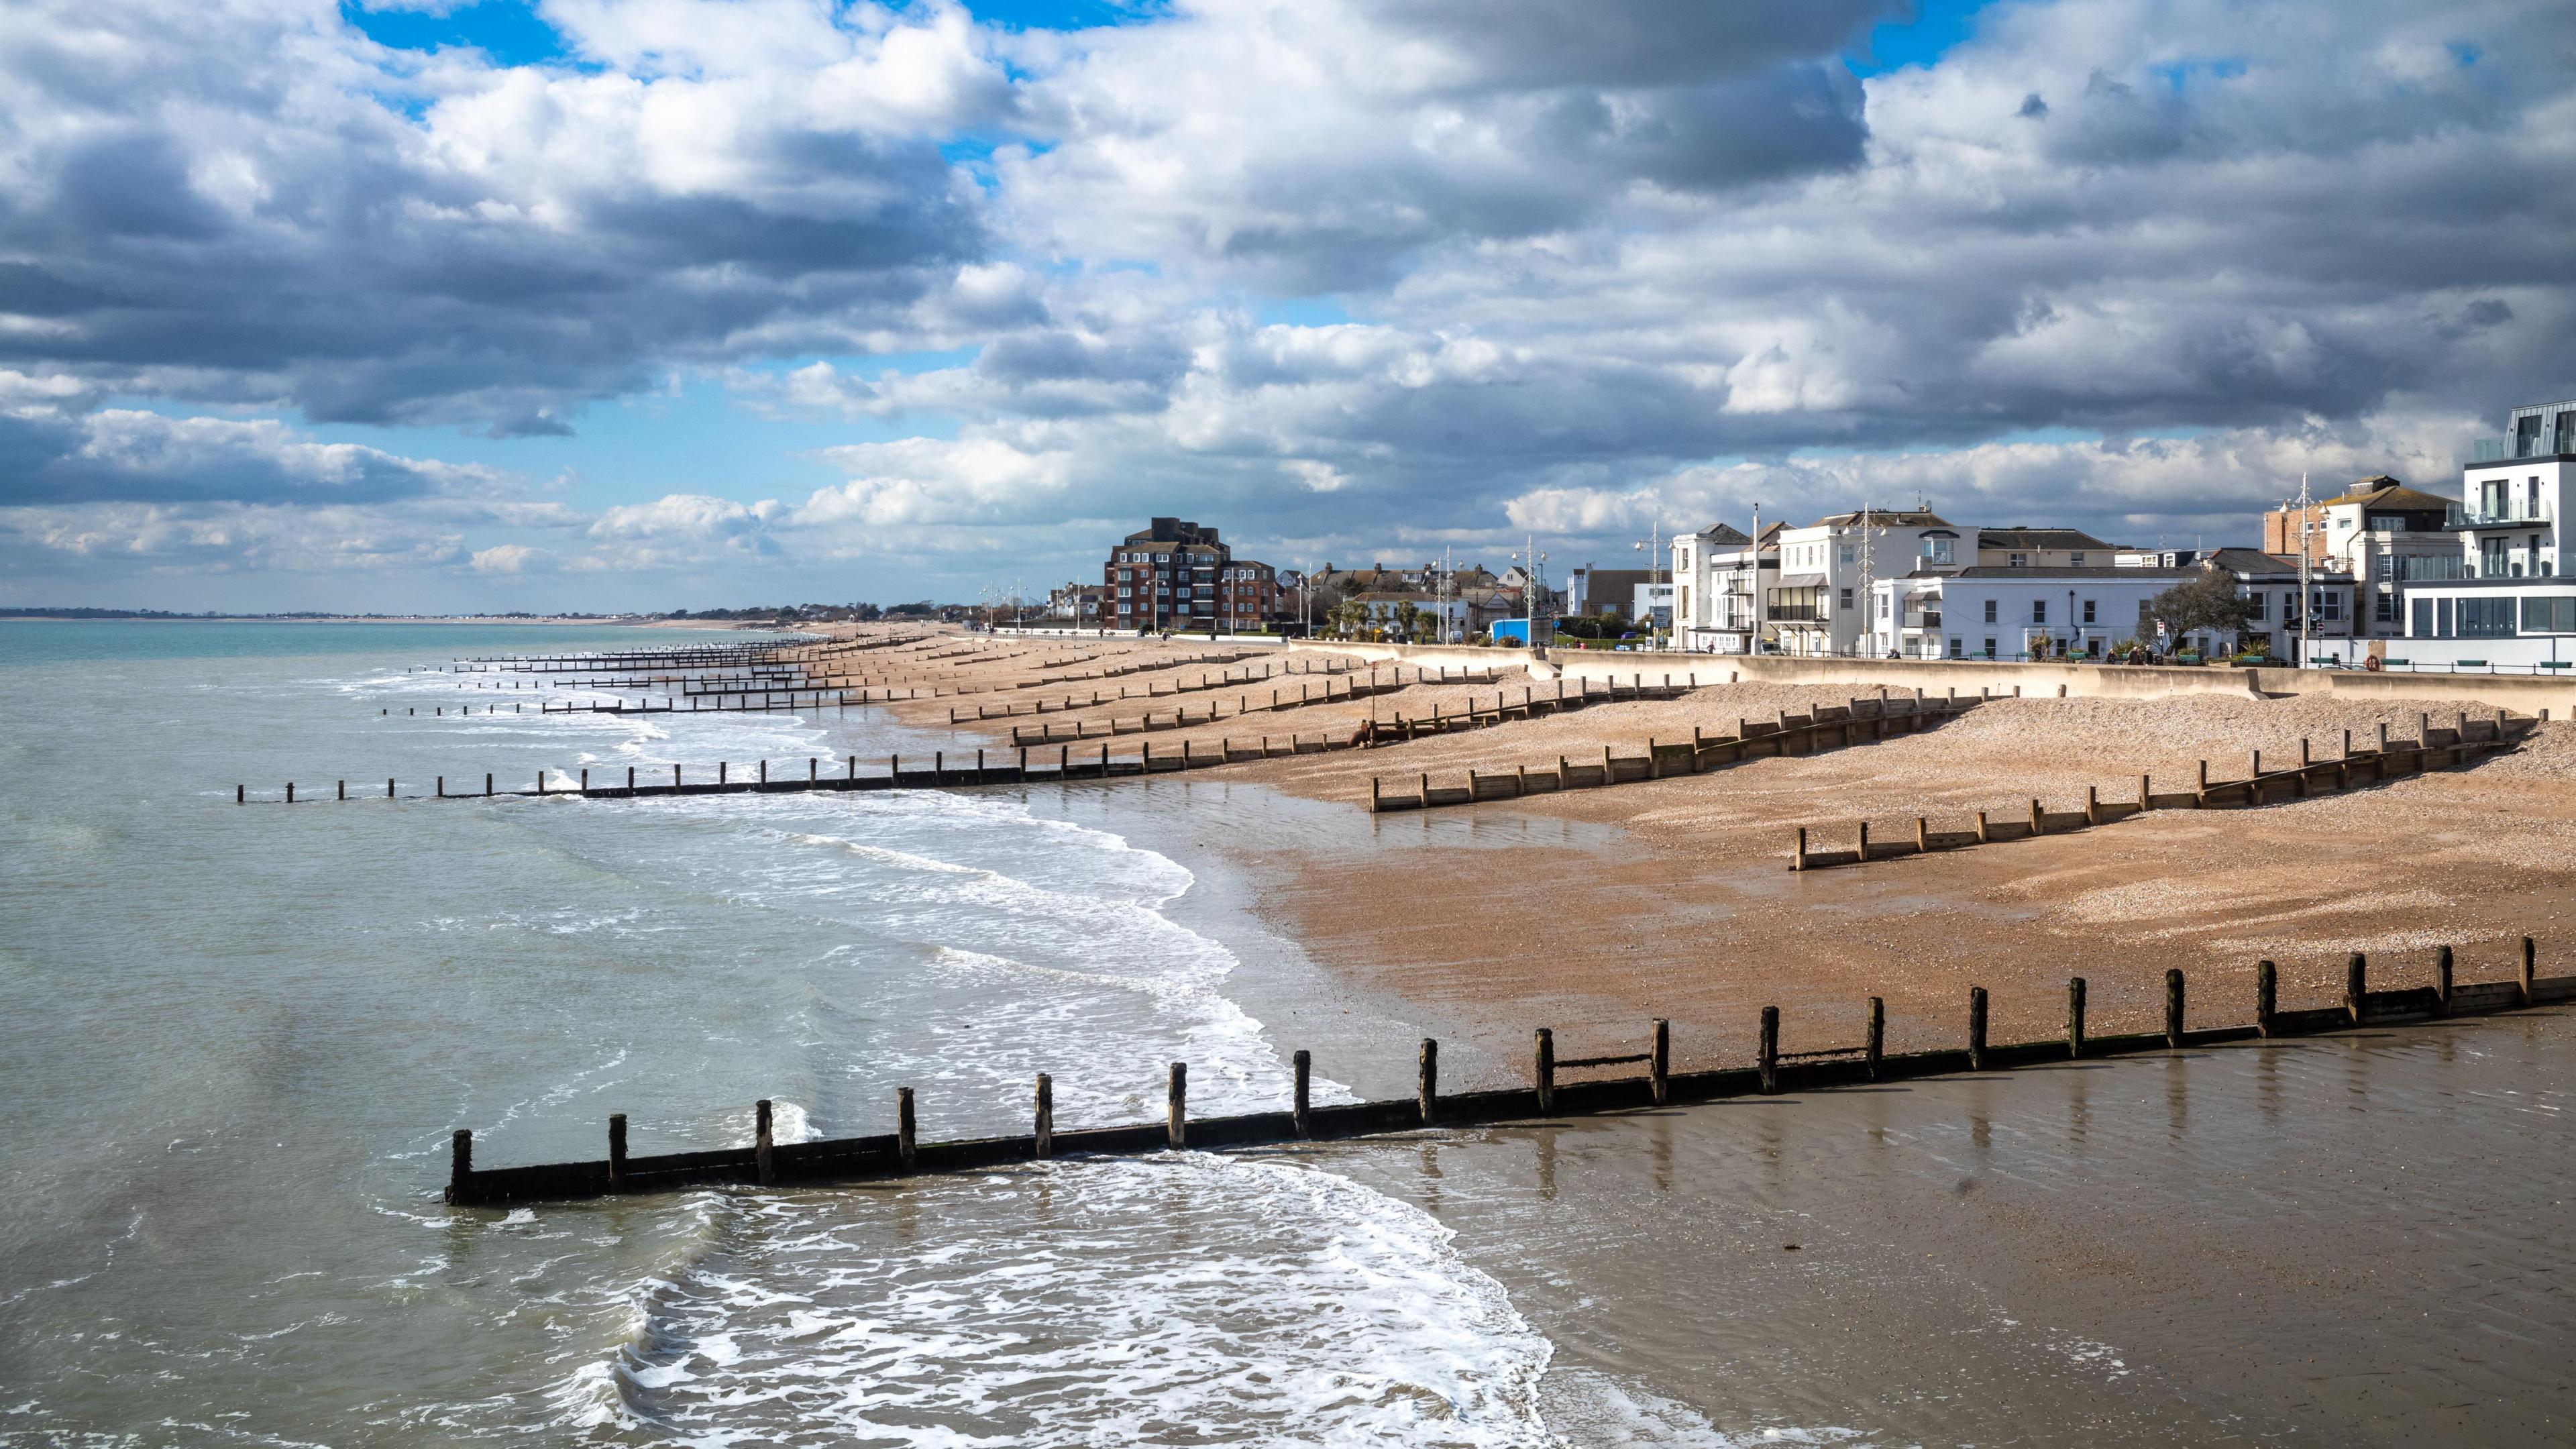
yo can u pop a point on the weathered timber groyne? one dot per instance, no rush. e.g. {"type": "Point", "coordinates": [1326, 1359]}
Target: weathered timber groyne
{"type": "Point", "coordinates": [1827, 727]}
{"type": "Point", "coordinates": [2457, 747]}
{"type": "Point", "coordinates": [1029, 768]}
{"type": "Point", "coordinates": [770, 1164]}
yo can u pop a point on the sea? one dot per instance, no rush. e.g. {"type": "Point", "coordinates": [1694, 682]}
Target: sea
{"type": "Point", "coordinates": [235, 1039]}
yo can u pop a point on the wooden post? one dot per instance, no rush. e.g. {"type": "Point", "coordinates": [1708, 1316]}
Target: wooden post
{"type": "Point", "coordinates": [2092, 805]}
{"type": "Point", "coordinates": [2173, 1006]}
{"type": "Point", "coordinates": [1427, 1087]}
{"type": "Point", "coordinates": [1864, 841]}
{"type": "Point", "coordinates": [1176, 1107]}
{"type": "Point", "coordinates": [764, 772]}
{"type": "Point", "coordinates": [389, 787]}
{"type": "Point", "coordinates": [1544, 1043]}
{"type": "Point", "coordinates": [1976, 1028]}
{"type": "Point", "coordinates": [442, 785]}
{"type": "Point", "coordinates": [487, 786]}
{"type": "Point", "coordinates": [2267, 996]}
{"type": "Point", "coordinates": [2074, 1017]}
{"type": "Point", "coordinates": [2356, 985]}
{"type": "Point", "coordinates": [1981, 827]}
{"type": "Point", "coordinates": [904, 1139]}
{"type": "Point", "coordinates": [1659, 1061]}
{"type": "Point", "coordinates": [616, 1152]}
{"type": "Point", "coordinates": [541, 785]}
{"type": "Point", "coordinates": [1303, 1064]}
{"type": "Point", "coordinates": [2146, 796]}
{"type": "Point", "coordinates": [1046, 1116]}
{"type": "Point", "coordinates": [2038, 822]}
{"type": "Point", "coordinates": [724, 772]}
{"type": "Point", "coordinates": [2528, 961]}
{"type": "Point", "coordinates": [1768, 1053]}
{"type": "Point", "coordinates": [760, 1142]}
{"type": "Point", "coordinates": [290, 792]}
{"type": "Point", "coordinates": [1922, 835]}
{"type": "Point", "coordinates": [2383, 737]}
{"type": "Point", "coordinates": [460, 1165]}
{"type": "Point", "coordinates": [2442, 979]}
{"type": "Point", "coordinates": [1875, 1045]}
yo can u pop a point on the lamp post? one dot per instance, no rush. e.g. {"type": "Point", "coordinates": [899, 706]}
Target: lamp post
{"type": "Point", "coordinates": [1652, 543]}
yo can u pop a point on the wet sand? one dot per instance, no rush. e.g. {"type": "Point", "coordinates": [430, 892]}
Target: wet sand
{"type": "Point", "coordinates": [2348, 1240]}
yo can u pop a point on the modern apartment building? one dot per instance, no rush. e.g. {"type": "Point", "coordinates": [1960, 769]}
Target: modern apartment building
{"type": "Point", "coordinates": [2512, 604]}
{"type": "Point", "coordinates": [1164, 576]}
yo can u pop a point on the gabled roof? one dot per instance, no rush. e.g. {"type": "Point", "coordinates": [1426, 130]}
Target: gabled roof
{"type": "Point", "coordinates": [2032, 540]}
{"type": "Point", "coordinates": [2388, 494]}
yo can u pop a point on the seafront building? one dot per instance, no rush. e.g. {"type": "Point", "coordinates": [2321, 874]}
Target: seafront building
{"type": "Point", "coordinates": [1175, 574]}
{"type": "Point", "coordinates": [2510, 604]}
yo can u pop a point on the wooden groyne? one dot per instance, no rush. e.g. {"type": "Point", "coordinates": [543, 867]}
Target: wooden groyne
{"type": "Point", "coordinates": [2457, 747]}
{"type": "Point", "coordinates": [1226, 679]}
{"type": "Point", "coordinates": [1826, 727]}
{"type": "Point", "coordinates": [1029, 768]}
{"type": "Point", "coordinates": [768, 1163]}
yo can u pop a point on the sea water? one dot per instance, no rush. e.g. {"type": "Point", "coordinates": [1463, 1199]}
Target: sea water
{"type": "Point", "coordinates": [238, 1038]}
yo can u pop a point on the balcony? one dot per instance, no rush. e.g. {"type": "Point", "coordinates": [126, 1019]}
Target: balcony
{"type": "Point", "coordinates": [2514, 516]}
{"type": "Point", "coordinates": [1923, 619]}
{"type": "Point", "coordinates": [2505, 447]}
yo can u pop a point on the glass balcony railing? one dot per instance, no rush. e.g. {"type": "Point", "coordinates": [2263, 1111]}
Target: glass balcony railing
{"type": "Point", "coordinates": [2504, 447]}
{"type": "Point", "coordinates": [2516, 514]}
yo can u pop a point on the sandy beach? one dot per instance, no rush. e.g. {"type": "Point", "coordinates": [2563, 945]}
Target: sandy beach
{"type": "Point", "coordinates": [1678, 903]}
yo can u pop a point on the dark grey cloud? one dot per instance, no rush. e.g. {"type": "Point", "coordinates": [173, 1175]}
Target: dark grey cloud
{"type": "Point", "coordinates": [1634, 44]}
{"type": "Point", "coordinates": [229, 191]}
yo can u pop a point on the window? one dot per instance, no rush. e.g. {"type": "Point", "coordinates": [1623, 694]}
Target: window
{"type": "Point", "coordinates": [1990, 649]}
{"type": "Point", "coordinates": [2531, 500]}
{"type": "Point", "coordinates": [1851, 553]}
{"type": "Point", "coordinates": [2486, 618]}
{"type": "Point", "coordinates": [2076, 559]}
{"type": "Point", "coordinates": [2088, 611]}
{"type": "Point", "coordinates": [1847, 602]}
{"type": "Point", "coordinates": [2039, 611]}
{"type": "Point", "coordinates": [2021, 560]}
{"type": "Point", "coordinates": [2549, 616]}
{"type": "Point", "coordinates": [2420, 626]}
{"type": "Point", "coordinates": [2492, 558]}
{"type": "Point", "coordinates": [2384, 609]}
{"type": "Point", "coordinates": [1958, 647]}
{"type": "Point", "coordinates": [1882, 603]}
{"type": "Point", "coordinates": [1937, 550]}
{"type": "Point", "coordinates": [1990, 616]}
{"type": "Point", "coordinates": [2442, 618]}
{"type": "Point", "coordinates": [2256, 603]}
{"type": "Point", "coordinates": [2491, 495]}
{"type": "Point", "coordinates": [2327, 604]}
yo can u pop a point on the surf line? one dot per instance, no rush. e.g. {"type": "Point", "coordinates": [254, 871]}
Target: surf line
{"type": "Point", "coordinates": [899, 1154]}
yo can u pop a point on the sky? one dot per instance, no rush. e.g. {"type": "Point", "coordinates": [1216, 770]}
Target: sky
{"type": "Point", "coordinates": [652, 304]}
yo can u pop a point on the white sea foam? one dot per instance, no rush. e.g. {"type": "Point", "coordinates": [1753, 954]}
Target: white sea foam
{"type": "Point", "coordinates": [1167, 1299]}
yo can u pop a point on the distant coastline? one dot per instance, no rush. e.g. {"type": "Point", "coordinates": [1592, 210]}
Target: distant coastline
{"type": "Point", "coordinates": [146, 616]}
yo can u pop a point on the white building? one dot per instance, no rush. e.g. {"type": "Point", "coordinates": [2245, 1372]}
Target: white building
{"type": "Point", "coordinates": [2010, 613]}
{"type": "Point", "coordinates": [1719, 581]}
{"type": "Point", "coordinates": [1827, 567]}
{"type": "Point", "coordinates": [2514, 607]}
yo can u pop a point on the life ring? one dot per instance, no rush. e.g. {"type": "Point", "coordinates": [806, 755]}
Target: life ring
{"type": "Point", "coordinates": [2372, 664]}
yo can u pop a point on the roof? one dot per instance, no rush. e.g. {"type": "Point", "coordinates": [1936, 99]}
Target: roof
{"type": "Point", "coordinates": [2254, 561]}
{"type": "Point", "coordinates": [2387, 493]}
{"type": "Point", "coordinates": [2020, 536]}
{"type": "Point", "coordinates": [1886, 518]}
{"type": "Point", "coordinates": [2106, 572]}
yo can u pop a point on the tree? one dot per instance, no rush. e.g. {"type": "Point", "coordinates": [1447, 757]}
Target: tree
{"type": "Point", "coordinates": [2207, 601]}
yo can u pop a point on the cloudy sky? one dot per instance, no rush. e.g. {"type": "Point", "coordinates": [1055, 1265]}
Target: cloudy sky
{"type": "Point", "coordinates": [669, 303]}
